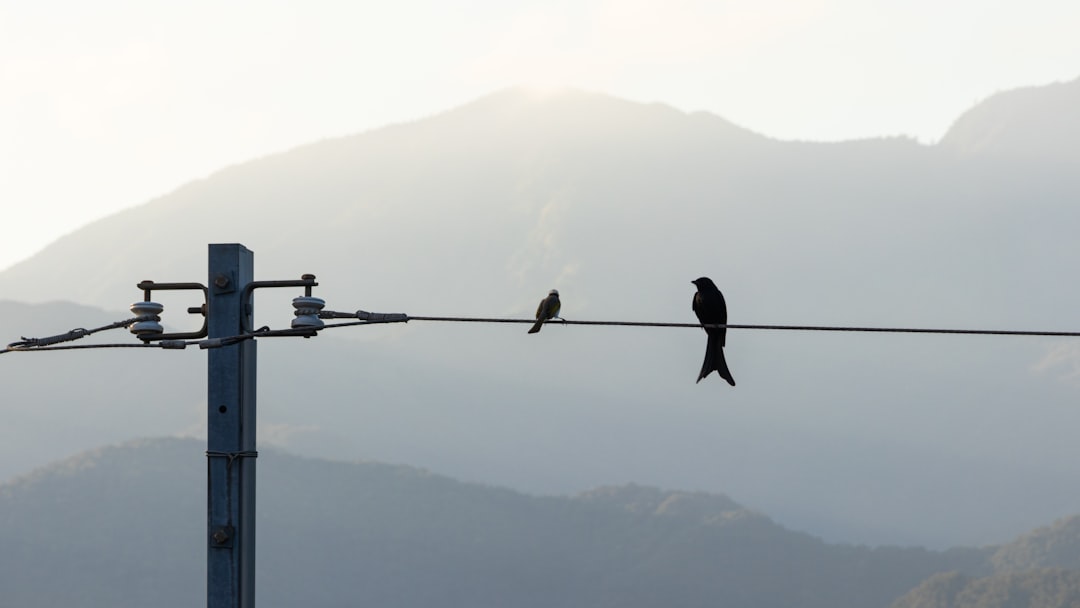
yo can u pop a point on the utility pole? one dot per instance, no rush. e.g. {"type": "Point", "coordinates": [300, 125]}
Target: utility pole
{"type": "Point", "coordinates": [230, 415]}
{"type": "Point", "coordinates": [230, 407]}
{"type": "Point", "coordinates": [230, 398]}
{"type": "Point", "coordinates": [230, 499]}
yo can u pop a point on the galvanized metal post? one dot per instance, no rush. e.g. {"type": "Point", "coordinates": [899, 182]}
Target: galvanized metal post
{"type": "Point", "coordinates": [230, 508]}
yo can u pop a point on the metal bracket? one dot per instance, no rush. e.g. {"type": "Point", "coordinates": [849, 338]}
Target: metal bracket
{"type": "Point", "coordinates": [306, 281]}
{"type": "Point", "coordinates": [149, 286]}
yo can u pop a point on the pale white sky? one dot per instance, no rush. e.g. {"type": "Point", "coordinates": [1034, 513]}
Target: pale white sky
{"type": "Point", "coordinates": [107, 104]}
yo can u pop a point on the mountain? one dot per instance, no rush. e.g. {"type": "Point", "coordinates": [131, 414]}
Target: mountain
{"type": "Point", "coordinates": [124, 526]}
{"type": "Point", "coordinates": [1033, 124]}
{"type": "Point", "coordinates": [77, 400]}
{"type": "Point", "coordinates": [1033, 589]}
{"type": "Point", "coordinates": [1053, 546]}
{"type": "Point", "coordinates": [932, 440]}
{"type": "Point", "coordinates": [1039, 569]}
{"type": "Point", "coordinates": [412, 197]}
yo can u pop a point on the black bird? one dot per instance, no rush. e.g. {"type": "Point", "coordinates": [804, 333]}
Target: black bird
{"type": "Point", "coordinates": [549, 307]}
{"type": "Point", "coordinates": [710, 309]}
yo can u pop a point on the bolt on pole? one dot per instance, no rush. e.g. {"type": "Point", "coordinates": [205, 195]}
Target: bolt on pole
{"type": "Point", "coordinates": [230, 563]}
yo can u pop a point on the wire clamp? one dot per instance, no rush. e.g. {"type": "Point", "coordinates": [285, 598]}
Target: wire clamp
{"type": "Point", "coordinates": [232, 456]}
{"type": "Point", "coordinates": [382, 317]}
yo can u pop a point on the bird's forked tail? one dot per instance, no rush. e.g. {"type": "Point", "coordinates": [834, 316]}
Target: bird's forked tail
{"type": "Point", "coordinates": [714, 360]}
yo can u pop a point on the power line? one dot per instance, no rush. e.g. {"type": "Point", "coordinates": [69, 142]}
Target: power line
{"type": "Point", "coordinates": [264, 332]}
{"type": "Point", "coordinates": [48, 343]}
{"type": "Point", "coordinates": [367, 318]}
{"type": "Point", "coordinates": [70, 336]}
{"type": "Point", "coordinates": [33, 349]}
{"type": "Point", "coordinates": [910, 330]}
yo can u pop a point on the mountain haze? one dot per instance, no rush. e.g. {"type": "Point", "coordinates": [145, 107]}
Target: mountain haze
{"type": "Point", "coordinates": [125, 525]}
{"type": "Point", "coordinates": [1035, 589]}
{"type": "Point", "coordinates": [1040, 569]}
{"type": "Point", "coordinates": [1033, 124]}
{"type": "Point", "coordinates": [1048, 547]}
{"type": "Point", "coordinates": [478, 211]}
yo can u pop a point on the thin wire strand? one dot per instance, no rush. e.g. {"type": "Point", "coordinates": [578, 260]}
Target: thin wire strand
{"type": "Point", "coordinates": [909, 330]}
{"type": "Point", "coordinates": [70, 336]}
{"type": "Point", "coordinates": [80, 347]}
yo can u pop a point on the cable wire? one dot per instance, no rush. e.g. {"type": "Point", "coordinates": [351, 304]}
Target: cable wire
{"type": "Point", "coordinates": [70, 336]}
{"type": "Point", "coordinates": [912, 330]}
{"type": "Point", "coordinates": [27, 344]}
{"type": "Point", "coordinates": [83, 347]}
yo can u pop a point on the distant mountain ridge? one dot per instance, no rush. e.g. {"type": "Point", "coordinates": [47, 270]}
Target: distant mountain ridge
{"type": "Point", "coordinates": [471, 159]}
{"type": "Point", "coordinates": [1047, 588]}
{"type": "Point", "coordinates": [1040, 569]}
{"type": "Point", "coordinates": [124, 526]}
{"type": "Point", "coordinates": [1039, 124]}
{"type": "Point", "coordinates": [242, 202]}
{"type": "Point", "coordinates": [1053, 546]}
{"type": "Point", "coordinates": [361, 532]}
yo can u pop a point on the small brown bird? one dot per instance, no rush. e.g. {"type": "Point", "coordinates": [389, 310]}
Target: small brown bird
{"type": "Point", "coordinates": [548, 309]}
{"type": "Point", "coordinates": [710, 308]}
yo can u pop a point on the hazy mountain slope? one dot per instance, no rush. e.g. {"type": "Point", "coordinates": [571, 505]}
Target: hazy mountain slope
{"type": "Point", "coordinates": [1040, 569]}
{"type": "Point", "coordinates": [480, 210]}
{"type": "Point", "coordinates": [102, 529]}
{"type": "Point", "coordinates": [57, 404]}
{"type": "Point", "coordinates": [124, 526]}
{"type": "Point", "coordinates": [1047, 588]}
{"type": "Point", "coordinates": [1035, 124]}
{"type": "Point", "coordinates": [412, 196]}
{"type": "Point", "coordinates": [1053, 546]}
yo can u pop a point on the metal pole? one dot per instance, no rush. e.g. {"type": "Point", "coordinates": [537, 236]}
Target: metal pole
{"type": "Point", "coordinates": [230, 508]}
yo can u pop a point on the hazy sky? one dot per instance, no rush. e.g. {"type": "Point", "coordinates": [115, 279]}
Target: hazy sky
{"type": "Point", "coordinates": [107, 104]}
